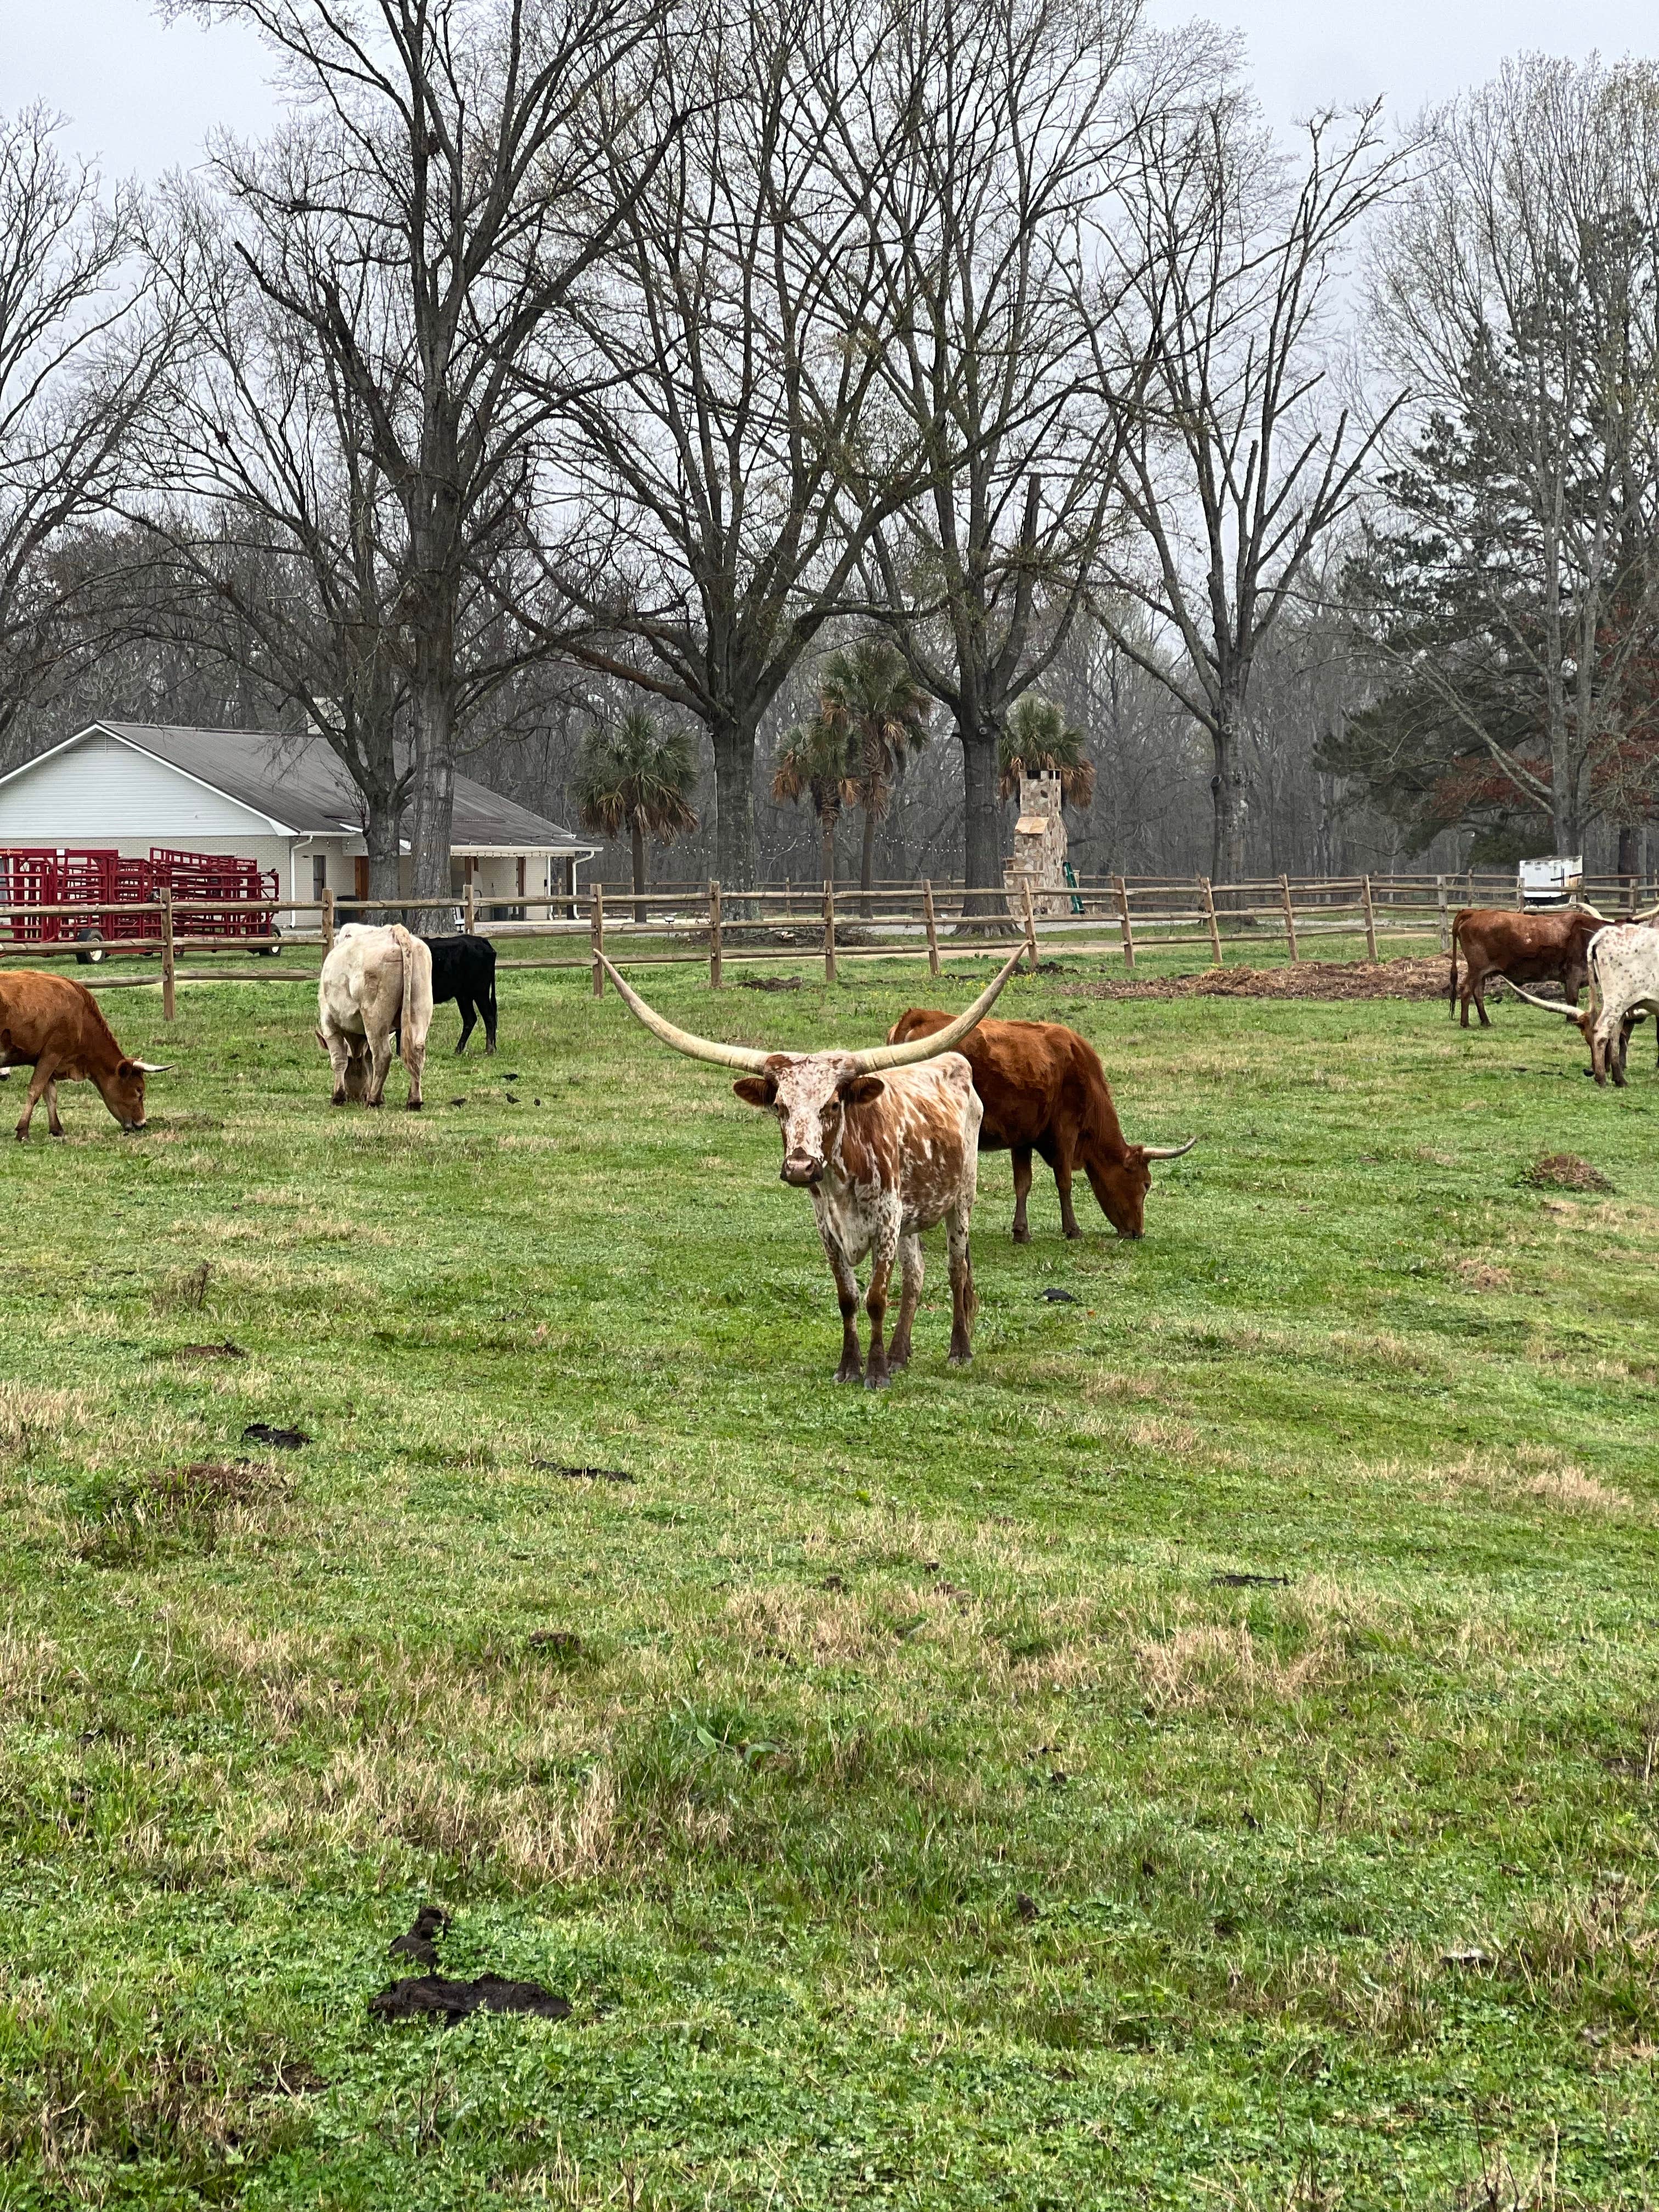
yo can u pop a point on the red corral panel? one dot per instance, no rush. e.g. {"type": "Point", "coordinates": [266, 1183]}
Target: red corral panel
{"type": "Point", "coordinates": [247, 890]}
{"type": "Point", "coordinates": [32, 876]}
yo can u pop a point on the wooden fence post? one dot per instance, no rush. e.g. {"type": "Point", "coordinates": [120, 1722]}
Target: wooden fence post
{"type": "Point", "coordinates": [1371, 918]}
{"type": "Point", "coordinates": [716, 946]}
{"type": "Point", "coordinates": [470, 917]}
{"type": "Point", "coordinates": [595, 932]}
{"type": "Point", "coordinates": [1440, 909]}
{"type": "Point", "coordinates": [829, 930]}
{"type": "Point", "coordinates": [932, 920]}
{"type": "Point", "coordinates": [1125, 927]}
{"type": "Point", "coordinates": [1290, 913]}
{"type": "Point", "coordinates": [328, 918]}
{"type": "Point", "coordinates": [1208, 895]}
{"type": "Point", "coordinates": [168, 957]}
{"type": "Point", "coordinates": [1030, 927]}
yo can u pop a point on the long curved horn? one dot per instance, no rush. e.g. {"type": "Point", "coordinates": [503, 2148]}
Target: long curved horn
{"type": "Point", "coordinates": [693, 1047]}
{"type": "Point", "coordinates": [1594, 913]}
{"type": "Point", "coordinates": [1167, 1151]}
{"type": "Point", "coordinates": [946, 1040]}
{"type": "Point", "coordinates": [1549, 1006]}
{"type": "Point", "coordinates": [155, 1067]}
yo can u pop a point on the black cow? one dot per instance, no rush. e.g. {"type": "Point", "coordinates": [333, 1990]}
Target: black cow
{"type": "Point", "coordinates": [464, 968]}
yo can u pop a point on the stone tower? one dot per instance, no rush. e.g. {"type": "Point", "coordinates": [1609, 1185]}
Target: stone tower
{"type": "Point", "coordinates": [1039, 855]}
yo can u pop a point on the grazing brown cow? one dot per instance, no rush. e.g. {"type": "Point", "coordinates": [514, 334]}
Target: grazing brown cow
{"type": "Point", "coordinates": [57, 1027]}
{"type": "Point", "coordinates": [885, 1155]}
{"type": "Point", "coordinates": [1044, 1090]}
{"type": "Point", "coordinates": [1526, 948]}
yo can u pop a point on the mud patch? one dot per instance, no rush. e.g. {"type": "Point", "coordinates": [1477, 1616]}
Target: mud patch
{"type": "Point", "coordinates": [769, 984]}
{"type": "Point", "coordinates": [261, 1432]}
{"type": "Point", "coordinates": [433, 1996]}
{"type": "Point", "coordinates": [197, 1352]}
{"type": "Point", "coordinates": [1413, 977]}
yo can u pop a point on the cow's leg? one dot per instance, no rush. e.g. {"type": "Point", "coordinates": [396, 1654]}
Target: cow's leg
{"type": "Point", "coordinates": [882, 1254]}
{"type": "Point", "coordinates": [1022, 1159]}
{"type": "Point", "coordinates": [379, 1067]}
{"type": "Point", "coordinates": [1065, 1153]}
{"type": "Point", "coordinates": [469, 1018]}
{"type": "Point", "coordinates": [339, 1059]}
{"type": "Point", "coordinates": [1480, 1004]}
{"type": "Point", "coordinates": [910, 1260]}
{"type": "Point", "coordinates": [489, 1004]}
{"type": "Point", "coordinates": [847, 1294]}
{"type": "Point", "coordinates": [45, 1070]}
{"type": "Point", "coordinates": [963, 1303]}
{"type": "Point", "coordinates": [53, 1123]}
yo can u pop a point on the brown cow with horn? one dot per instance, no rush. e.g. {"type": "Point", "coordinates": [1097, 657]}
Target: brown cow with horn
{"type": "Point", "coordinates": [1522, 948]}
{"type": "Point", "coordinates": [57, 1027]}
{"type": "Point", "coordinates": [887, 1146]}
{"type": "Point", "coordinates": [1044, 1090]}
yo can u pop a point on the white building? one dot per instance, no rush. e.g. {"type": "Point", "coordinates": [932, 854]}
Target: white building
{"type": "Point", "coordinates": [283, 802]}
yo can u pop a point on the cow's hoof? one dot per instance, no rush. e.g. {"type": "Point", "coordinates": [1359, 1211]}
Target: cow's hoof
{"type": "Point", "coordinates": [1022, 1235]}
{"type": "Point", "coordinates": [960, 1357]}
{"type": "Point", "coordinates": [1073, 1233]}
{"type": "Point", "coordinates": [414, 1105]}
{"type": "Point", "coordinates": [873, 1380]}
{"type": "Point", "coordinates": [849, 1374]}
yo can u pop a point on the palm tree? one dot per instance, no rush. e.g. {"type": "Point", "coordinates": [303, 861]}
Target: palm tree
{"type": "Point", "coordinates": [636, 778]}
{"type": "Point", "coordinates": [1038, 738]}
{"type": "Point", "coordinates": [812, 763]}
{"type": "Point", "coordinates": [870, 699]}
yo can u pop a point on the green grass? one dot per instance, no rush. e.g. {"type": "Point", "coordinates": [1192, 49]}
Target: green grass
{"type": "Point", "coordinates": [920, 1821]}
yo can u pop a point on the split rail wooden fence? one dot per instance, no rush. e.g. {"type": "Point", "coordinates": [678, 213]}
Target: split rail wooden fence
{"type": "Point", "coordinates": [703, 926]}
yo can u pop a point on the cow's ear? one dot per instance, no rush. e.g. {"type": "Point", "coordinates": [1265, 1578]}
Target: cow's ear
{"type": "Point", "coordinates": [861, 1090]}
{"type": "Point", "coordinates": [126, 1071]}
{"type": "Point", "coordinates": [757, 1091]}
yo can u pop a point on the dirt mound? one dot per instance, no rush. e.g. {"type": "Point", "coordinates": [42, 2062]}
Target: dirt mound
{"type": "Point", "coordinates": [1565, 1171]}
{"type": "Point", "coordinates": [1416, 976]}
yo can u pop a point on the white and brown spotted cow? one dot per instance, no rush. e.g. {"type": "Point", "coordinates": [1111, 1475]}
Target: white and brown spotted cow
{"type": "Point", "coordinates": [887, 1146]}
{"type": "Point", "coordinates": [1623, 964]}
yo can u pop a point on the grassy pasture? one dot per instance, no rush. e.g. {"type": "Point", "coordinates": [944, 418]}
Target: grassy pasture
{"type": "Point", "coordinates": [920, 1821]}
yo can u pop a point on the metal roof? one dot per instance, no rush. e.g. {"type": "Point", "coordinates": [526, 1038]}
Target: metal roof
{"type": "Point", "coordinates": [301, 784]}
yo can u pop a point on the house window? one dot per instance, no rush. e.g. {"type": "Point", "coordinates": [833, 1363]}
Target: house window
{"type": "Point", "coordinates": [318, 874]}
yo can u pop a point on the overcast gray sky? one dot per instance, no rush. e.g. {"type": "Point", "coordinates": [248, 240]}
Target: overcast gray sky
{"type": "Point", "coordinates": [141, 97]}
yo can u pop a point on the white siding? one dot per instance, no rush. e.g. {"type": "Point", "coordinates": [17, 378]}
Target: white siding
{"type": "Point", "coordinates": [104, 793]}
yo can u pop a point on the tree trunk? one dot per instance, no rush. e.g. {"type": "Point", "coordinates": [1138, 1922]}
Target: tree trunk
{"type": "Point", "coordinates": [1630, 859]}
{"type": "Point", "coordinates": [827, 821]}
{"type": "Point", "coordinates": [734, 803]}
{"type": "Point", "coordinates": [1231, 801]}
{"type": "Point", "coordinates": [982, 845]}
{"type": "Point", "coordinates": [636, 837]}
{"type": "Point", "coordinates": [434, 789]}
{"type": "Point", "coordinates": [867, 857]}
{"type": "Point", "coordinates": [385, 853]}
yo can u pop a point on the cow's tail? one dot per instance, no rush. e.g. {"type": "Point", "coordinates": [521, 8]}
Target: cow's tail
{"type": "Point", "coordinates": [407, 1046]}
{"type": "Point", "coordinates": [1451, 991]}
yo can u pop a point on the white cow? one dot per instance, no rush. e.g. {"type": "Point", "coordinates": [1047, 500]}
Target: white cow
{"type": "Point", "coordinates": [1623, 961]}
{"type": "Point", "coordinates": [375, 984]}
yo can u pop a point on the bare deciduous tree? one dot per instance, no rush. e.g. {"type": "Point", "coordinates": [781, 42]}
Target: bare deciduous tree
{"type": "Point", "coordinates": [81, 349]}
{"type": "Point", "coordinates": [985, 158]}
{"type": "Point", "coordinates": [1236, 468]}
{"type": "Point", "coordinates": [448, 189]}
{"type": "Point", "coordinates": [730, 363]}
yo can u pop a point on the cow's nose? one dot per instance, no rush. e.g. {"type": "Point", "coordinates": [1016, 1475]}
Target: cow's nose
{"type": "Point", "coordinates": [799, 1170]}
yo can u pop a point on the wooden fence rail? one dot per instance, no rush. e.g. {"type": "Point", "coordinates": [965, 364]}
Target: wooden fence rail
{"type": "Point", "coordinates": [1116, 916]}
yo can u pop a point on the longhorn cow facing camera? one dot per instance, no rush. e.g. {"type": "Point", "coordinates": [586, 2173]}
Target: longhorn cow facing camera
{"type": "Point", "coordinates": [887, 1146]}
